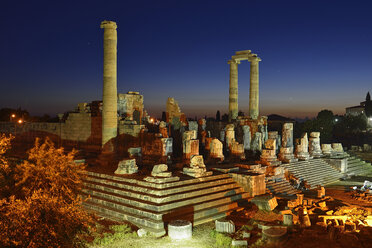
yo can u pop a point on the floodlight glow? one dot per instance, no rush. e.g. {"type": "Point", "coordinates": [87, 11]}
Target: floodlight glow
{"type": "Point", "coordinates": [13, 115]}
{"type": "Point", "coordinates": [20, 121]}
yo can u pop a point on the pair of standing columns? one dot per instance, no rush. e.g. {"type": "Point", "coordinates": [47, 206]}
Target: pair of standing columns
{"type": "Point", "coordinates": [253, 89]}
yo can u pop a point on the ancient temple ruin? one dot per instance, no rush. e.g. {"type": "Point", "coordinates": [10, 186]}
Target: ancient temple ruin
{"type": "Point", "coordinates": [150, 172]}
{"type": "Point", "coordinates": [254, 86]}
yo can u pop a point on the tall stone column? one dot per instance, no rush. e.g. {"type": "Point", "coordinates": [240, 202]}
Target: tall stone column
{"type": "Point", "coordinates": [109, 111]}
{"type": "Point", "coordinates": [233, 90]}
{"type": "Point", "coordinates": [253, 89]}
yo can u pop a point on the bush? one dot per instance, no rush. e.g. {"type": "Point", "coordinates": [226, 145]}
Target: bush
{"type": "Point", "coordinates": [41, 220]}
{"type": "Point", "coordinates": [43, 209]}
{"type": "Point", "coordinates": [51, 170]}
{"type": "Point", "coordinates": [6, 169]}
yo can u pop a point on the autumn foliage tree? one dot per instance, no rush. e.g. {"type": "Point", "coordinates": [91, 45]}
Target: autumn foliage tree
{"type": "Point", "coordinates": [44, 209]}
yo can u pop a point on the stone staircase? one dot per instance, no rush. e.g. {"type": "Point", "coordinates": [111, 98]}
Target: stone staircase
{"type": "Point", "coordinates": [314, 171]}
{"type": "Point", "coordinates": [151, 205]}
{"type": "Point", "coordinates": [281, 187]}
{"type": "Point", "coordinates": [358, 167]}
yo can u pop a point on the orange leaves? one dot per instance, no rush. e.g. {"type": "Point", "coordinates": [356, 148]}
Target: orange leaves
{"type": "Point", "coordinates": [42, 220]}
{"type": "Point", "coordinates": [50, 169]}
{"type": "Point", "coordinates": [44, 209]}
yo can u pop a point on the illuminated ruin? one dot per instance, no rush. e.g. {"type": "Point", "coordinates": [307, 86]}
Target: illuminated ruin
{"type": "Point", "coordinates": [152, 173]}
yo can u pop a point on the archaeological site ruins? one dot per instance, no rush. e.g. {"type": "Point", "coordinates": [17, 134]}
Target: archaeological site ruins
{"type": "Point", "coordinates": [152, 172]}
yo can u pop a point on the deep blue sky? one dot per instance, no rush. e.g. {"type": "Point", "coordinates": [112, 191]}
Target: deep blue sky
{"type": "Point", "coordinates": [315, 54]}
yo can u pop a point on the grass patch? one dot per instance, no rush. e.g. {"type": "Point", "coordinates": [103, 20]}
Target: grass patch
{"type": "Point", "coordinates": [118, 233]}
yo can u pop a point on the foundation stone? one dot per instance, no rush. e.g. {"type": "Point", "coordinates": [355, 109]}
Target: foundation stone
{"type": "Point", "coordinates": [160, 170]}
{"type": "Point", "coordinates": [126, 166]}
{"type": "Point", "coordinates": [267, 203]}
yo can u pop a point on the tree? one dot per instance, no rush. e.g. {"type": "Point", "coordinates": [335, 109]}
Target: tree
{"type": "Point", "coordinates": [163, 116]}
{"type": "Point", "coordinates": [240, 113]}
{"type": "Point", "coordinates": [368, 106]}
{"type": "Point", "coordinates": [324, 124]}
{"type": "Point", "coordinates": [225, 117]}
{"type": "Point", "coordinates": [355, 124]}
{"type": "Point", "coordinates": [6, 170]}
{"type": "Point", "coordinates": [44, 209]}
{"type": "Point", "coordinates": [325, 116]}
{"type": "Point", "coordinates": [218, 116]}
{"type": "Point", "coordinates": [51, 170]}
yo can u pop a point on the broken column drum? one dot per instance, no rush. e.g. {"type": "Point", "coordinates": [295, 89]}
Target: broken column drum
{"type": "Point", "coordinates": [109, 99]}
{"type": "Point", "coordinates": [233, 90]}
{"type": "Point", "coordinates": [286, 151]}
{"type": "Point", "coordinates": [314, 145]}
{"type": "Point", "coordinates": [302, 149]}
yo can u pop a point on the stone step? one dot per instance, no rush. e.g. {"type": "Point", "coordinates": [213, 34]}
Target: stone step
{"type": "Point", "coordinates": [151, 204]}
{"type": "Point", "coordinates": [105, 214]}
{"type": "Point", "coordinates": [128, 180]}
{"type": "Point", "coordinates": [324, 181]}
{"type": "Point", "coordinates": [195, 216]}
{"type": "Point", "coordinates": [316, 174]}
{"type": "Point", "coordinates": [311, 168]}
{"type": "Point", "coordinates": [156, 191]}
{"type": "Point", "coordinates": [102, 201]}
{"type": "Point", "coordinates": [359, 168]}
{"type": "Point", "coordinates": [198, 214]}
{"type": "Point", "coordinates": [279, 189]}
{"type": "Point", "coordinates": [360, 172]}
{"type": "Point", "coordinates": [282, 187]}
{"type": "Point", "coordinates": [318, 178]}
{"type": "Point", "coordinates": [164, 206]}
{"type": "Point", "coordinates": [159, 199]}
{"type": "Point", "coordinates": [138, 220]}
{"type": "Point", "coordinates": [225, 201]}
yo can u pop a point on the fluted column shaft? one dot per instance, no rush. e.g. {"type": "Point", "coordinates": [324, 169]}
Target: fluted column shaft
{"type": "Point", "coordinates": [233, 90]}
{"type": "Point", "coordinates": [109, 110]}
{"type": "Point", "coordinates": [253, 90]}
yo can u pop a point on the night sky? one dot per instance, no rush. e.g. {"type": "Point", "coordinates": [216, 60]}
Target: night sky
{"type": "Point", "coordinates": [315, 54]}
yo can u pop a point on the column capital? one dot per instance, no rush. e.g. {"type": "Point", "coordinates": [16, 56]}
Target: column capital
{"type": "Point", "coordinates": [233, 61]}
{"type": "Point", "coordinates": [108, 24]}
{"type": "Point", "coordinates": [254, 59]}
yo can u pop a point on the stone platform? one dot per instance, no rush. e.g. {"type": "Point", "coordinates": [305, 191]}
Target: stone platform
{"type": "Point", "coordinates": [315, 172]}
{"type": "Point", "coordinates": [151, 205]}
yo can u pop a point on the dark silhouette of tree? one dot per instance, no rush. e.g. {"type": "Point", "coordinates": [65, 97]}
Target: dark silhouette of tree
{"type": "Point", "coordinates": [325, 115]}
{"type": "Point", "coordinates": [218, 116]}
{"type": "Point", "coordinates": [225, 117]}
{"type": "Point", "coordinates": [240, 113]}
{"type": "Point", "coordinates": [163, 116]}
{"type": "Point", "coordinates": [368, 105]}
